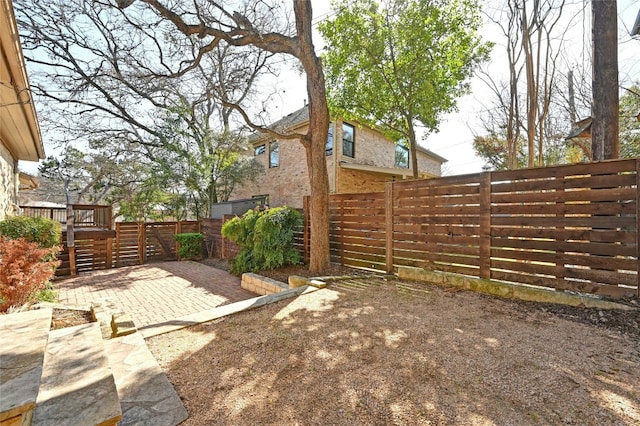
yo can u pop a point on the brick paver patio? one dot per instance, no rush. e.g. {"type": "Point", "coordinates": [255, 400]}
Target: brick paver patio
{"type": "Point", "coordinates": [156, 293]}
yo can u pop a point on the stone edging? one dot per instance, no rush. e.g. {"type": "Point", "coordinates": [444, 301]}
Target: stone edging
{"type": "Point", "coordinates": [506, 290]}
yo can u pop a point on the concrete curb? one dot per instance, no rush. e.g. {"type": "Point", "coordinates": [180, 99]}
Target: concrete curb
{"type": "Point", "coordinates": [222, 311]}
{"type": "Point", "coordinates": [506, 290]}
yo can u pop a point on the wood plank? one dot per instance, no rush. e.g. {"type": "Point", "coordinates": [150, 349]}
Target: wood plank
{"type": "Point", "coordinates": [599, 262]}
{"type": "Point", "coordinates": [584, 234]}
{"type": "Point", "coordinates": [389, 227]}
{"type": "Point", "coordinates": [595, 168]}
{"type": "Point", "coordinates": [613, 194]}
{"type": "Point", "coordinates": [553, 208]}
{"type": "Point", "coordinates": [566, 182]}
{"type": "Point", "coordinates": [602, 249]}
{"type": "Point", "coordinates": [600, 222]}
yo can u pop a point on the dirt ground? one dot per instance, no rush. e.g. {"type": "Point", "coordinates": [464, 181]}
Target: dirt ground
{"type": "Point", "coordinates": [376, 351]}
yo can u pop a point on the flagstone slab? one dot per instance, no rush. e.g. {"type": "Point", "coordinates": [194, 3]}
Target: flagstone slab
{"type": "Point", "coordinates": [23, 339]}
{"type": "Point", "coordinates": [77, 385]}
{"type": "Point", "coordinates": [146, 395]}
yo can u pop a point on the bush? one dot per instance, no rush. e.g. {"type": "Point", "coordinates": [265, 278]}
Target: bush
{"type": "Point", "coordinates": [190, 245]}
{"type": "Point", "coordinates": [265, 239]}
{"type": "Point", "coordinates": [45, 232]}
{"type": "Point", "coordinates": [25, 269]}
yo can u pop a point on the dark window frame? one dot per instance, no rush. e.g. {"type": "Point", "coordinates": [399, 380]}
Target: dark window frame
{"type": "Point", "coordinates": [274, 164]}
{"type": "Point", "coordinates": [406, 150]}
{"type": "Point", "coordinates": [328, 147]}
{"type": "Point", "coordinates": [259, 150]}
{"type": "Point", "coordinates": [346, 142]}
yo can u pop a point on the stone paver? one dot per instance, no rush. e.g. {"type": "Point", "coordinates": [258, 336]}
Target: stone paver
{"type": "Point", "coordinates": [23, 339]}
{"type": "Point", "coordinates": [146, 395]}
{"type": "Point", "coordinates": [155, 293]}
{"type": "Point", "coordinates": [77, 386]}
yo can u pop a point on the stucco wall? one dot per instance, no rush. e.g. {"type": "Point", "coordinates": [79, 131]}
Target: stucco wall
{"type": "Point", "coordinates": [288, 183]}
{"type": "Point", "coordinates": [8, 184]}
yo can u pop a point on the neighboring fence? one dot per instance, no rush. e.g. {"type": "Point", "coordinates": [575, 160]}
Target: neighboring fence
{"type": "Point", "coordinates": [132, 243]}
{"type": "Point", "coordinates": [568, 227]}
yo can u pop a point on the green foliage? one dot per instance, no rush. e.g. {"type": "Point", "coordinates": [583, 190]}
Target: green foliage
{"type": "Point", "coordinates": [47, 294]}
{"type": "Point", "coordinates": [405, 62]}
{"type": "Point", "coordinates": [493, 150]}
{"type": "Point", "coordinates": [25, 268]}
{"type": "Point", "coordinates": [43, 231]}
{"type": "Point", "coordinates": [629, 124]}
{"type": "Point", "coordinates": [265, 239]}
{"type": "Point", "coordinates": [190, 245]}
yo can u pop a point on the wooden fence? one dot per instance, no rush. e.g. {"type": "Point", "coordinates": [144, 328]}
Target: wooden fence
{"type": "Point", "coordinates": [568, 227]}
{"type": "Point", "coordinates": [133, 244]}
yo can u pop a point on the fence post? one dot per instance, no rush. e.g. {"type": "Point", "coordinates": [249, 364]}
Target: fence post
{"type": "Point", "coordinates": [388, 211]}
{"type": "Point", "coordinates": [223, 250]}
{"type": "Point", "coordinates": [71, 242]}
{"type": "Point", "coordinates": [485, 225]}
{"type": "Point", "coordinates": [637, 226]}
{"type": "Point", "coordinates": [143, 243]}
{"type": "Point", "coordinates": [306, 231]}
{"type": "Point", "coordinates": [109, 254]}
{"type": "Point", "coordinates": [118, 231]}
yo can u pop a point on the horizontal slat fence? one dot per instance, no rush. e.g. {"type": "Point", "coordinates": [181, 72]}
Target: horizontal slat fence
{"type": "Point", "coordinates": [357, 230]}
{"type": "Point", "coordinates": [131, 244]}
{"type": "Point", "coordinates": [571, 227]}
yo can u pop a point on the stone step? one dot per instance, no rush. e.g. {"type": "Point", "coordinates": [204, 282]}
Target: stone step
{"type": "Point", "coordinates": [146, 395]}
{"type": "Point", "coordinates": [23, 339]}
{"type": "Point", "coordinates": [77, 385]}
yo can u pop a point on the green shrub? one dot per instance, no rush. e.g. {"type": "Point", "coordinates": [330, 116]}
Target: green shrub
{"type": "Point", "coordinates": [45, 232]}
{"type": "Point", "coordinates": [47, 294]}
{"type": "Point", "coordinates": [190, 245]}
{"type": "Point", "coordinates": [265, 239]}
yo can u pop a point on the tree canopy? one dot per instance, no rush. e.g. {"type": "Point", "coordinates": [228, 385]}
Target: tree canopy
{"type": "Point", "coordinates": [402, 63]}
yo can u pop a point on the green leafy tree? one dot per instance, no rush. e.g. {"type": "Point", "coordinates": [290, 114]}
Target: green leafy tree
{"type": "Point", "coordinates": [630, 122]}
{"type": "Point", "coordinates": [401, 64]}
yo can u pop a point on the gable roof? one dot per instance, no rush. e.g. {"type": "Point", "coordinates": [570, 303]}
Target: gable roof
{"type": "Point", "coordinates": [301, 117]}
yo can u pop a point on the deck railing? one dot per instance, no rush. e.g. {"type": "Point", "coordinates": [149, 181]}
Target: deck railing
{"type": "Point", "coordinates": [84, 215]}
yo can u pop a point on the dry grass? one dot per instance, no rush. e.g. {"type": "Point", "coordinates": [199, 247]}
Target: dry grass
{"type": "Point", "coordinates": [370, 351]}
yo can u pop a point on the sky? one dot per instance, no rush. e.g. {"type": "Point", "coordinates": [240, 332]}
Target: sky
{"type": "Point", "coordinates": [454, 141]}
{"type": "Point", "coordinates": [456, 131]}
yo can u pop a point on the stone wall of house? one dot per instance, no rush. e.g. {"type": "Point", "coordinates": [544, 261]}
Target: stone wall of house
{"type": "Point", "coordinates": [8, 183]}
{"type": "Point", "coordinates": [288, 183]}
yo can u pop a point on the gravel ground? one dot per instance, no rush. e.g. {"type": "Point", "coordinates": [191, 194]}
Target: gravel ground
{"type": "Point", "coordinates": [372, 351]}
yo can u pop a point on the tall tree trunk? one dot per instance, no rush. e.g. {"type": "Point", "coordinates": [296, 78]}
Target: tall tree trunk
{"type": "Point", "coordinates": [532, 98]}
{"type": "Point", "coordinates": [315, 140]}
{"type": "Point", "coordinates": [605, 105]}
{"type": "Point", "coordinates": [413, 147]}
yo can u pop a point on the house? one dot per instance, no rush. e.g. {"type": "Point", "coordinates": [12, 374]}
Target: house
{"type": "Point", "coordinates": [19, 130]}
{"type": "Point", "coordinates": [359, 159]}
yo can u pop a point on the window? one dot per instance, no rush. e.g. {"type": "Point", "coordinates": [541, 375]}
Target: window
{"type": "Point", "coordinates": [329, 147]}
{"type": "Point", "coordinates": [402, 156]}
{"type": "Point", "coordinates": [274, 154]}
{"type": "Point", "coordinates": [348, 140]}
{"type": "Point", "coordinates": [260, 149]}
